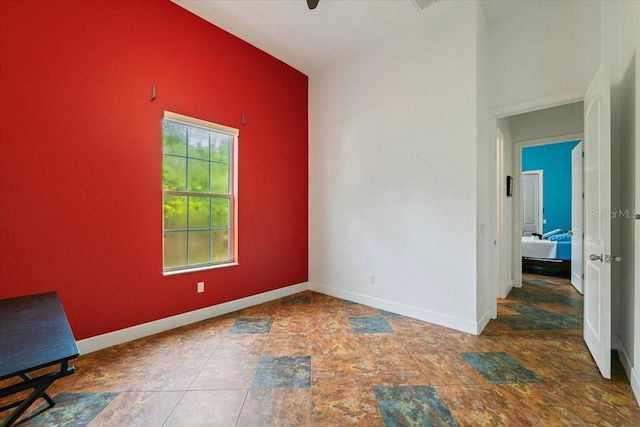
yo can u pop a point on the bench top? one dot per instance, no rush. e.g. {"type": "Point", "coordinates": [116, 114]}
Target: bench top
{"type": "Point", "coordinates": [34, 333]}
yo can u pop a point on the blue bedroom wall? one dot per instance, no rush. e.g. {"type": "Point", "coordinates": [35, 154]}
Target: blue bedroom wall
{"type": "Point", "coordinates": [555, 161]}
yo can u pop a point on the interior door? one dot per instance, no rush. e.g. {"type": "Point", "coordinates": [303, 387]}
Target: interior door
{"type": "Point", "coordinates": [597, 222]}
{"type": "Point", "coordinates": [576, 217]}
{"type": "Point", "coordinates": [531, 188]}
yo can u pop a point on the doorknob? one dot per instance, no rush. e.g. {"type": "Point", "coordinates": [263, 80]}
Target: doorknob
{"type": "Point", "coordinates": [594, 257]}
{"type": "Point", "coordinates": [611, 258]}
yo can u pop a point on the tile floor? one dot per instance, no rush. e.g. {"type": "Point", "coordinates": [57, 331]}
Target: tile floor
{"type": "Point", "coordinates": [313, 360]}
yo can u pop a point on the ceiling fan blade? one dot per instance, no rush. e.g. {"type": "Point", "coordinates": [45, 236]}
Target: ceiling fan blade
{"type": "Point", "coordinates": [312, 3]}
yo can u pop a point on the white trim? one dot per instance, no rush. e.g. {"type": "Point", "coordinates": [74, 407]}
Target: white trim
{"type": "Point", "coordinates": [402, 309]}
{"type": "Point", "coordinates": [110, 339]}
{"type": "Point", "coordinates": [196, 269]}
{"type": "Point", "coordinates": [632, 373]}
{"type": "Point", "coordinates": [634, 378]}
{"type": "Point", "coordinates": [506, 292]}
{"type": "Point", "coordinates": [501, 202]}
{"type": "Point", "coordinates": [175, 117]}
{"type": "Point", "coordinates": [485, 319]}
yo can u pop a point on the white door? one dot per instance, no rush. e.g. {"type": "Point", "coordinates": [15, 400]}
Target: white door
{"type": "Point", "coordinates": [576, 217]}
{"type": "Point", "coordinates": [531, 202]}
{"type": "Point", "coordinates": [597, 222]}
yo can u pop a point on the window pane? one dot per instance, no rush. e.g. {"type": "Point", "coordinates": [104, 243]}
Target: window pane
{"type": "Point", "coordinates": [198, 175]}
{"type": "Point", "coordinates": [198, 247]}
{"type": "Point", "coordinates": [174, 173]}
{"type": "Point", "coordinates": [175, 212]}
{"type": "Point", "coordinates": [220, 144]}
{"type": "Point", "coordinates": [199, 212]}
{"type": "Point", "coordinates": [219, 178]}
{"type": "Point", "coordinates": [174, 138]}
{"type": "Point", "coordinates": [219, 245]}
{"type": "Point", "coordinates": [219, 213]}
{"type": "Point", "coordinates": [198, 143]}
{"type": "Point", "coordinates": [175, 248]}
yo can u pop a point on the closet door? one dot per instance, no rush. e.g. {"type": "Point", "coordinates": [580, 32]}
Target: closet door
{"type": "Point", "coordinates": [531, 202]}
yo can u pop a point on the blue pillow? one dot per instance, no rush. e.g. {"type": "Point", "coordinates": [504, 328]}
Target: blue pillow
{"type": "Point", "coordinates": [551, 233]}
{"type": "Point", "coordinates": [560, 237]}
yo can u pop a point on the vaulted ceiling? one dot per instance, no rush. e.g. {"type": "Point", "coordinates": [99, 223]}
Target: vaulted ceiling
{"type": "Point", "coordinates": [312, 39]}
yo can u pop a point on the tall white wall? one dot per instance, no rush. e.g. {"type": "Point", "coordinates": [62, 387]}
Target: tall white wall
{"type": "Point", "coordinates": [392, 172]}
{"type": "Point", "coordinates": [551, 49]}
{"type": "Point", "coordinates": [487, 261]}
{"type": "Point", "coordinates": [621, 49]}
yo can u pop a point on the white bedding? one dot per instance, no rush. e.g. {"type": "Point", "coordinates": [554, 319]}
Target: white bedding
{"type": "Point", "coordinates": [532, 247]}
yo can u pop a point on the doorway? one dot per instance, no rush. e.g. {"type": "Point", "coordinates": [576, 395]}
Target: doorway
{"type": "Point", "coordinates": [542, 127]}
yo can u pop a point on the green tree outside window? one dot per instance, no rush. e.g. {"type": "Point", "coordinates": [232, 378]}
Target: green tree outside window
{"type": "Point", "coordinates": [197, 195]}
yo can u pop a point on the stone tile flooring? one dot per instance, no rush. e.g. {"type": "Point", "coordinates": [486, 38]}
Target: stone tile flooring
{"type": "Point", "coordinates": [313, 360]}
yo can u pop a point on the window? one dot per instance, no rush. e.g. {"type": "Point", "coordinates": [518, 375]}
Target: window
{"type": "Point", "coordinates": [198, 194]}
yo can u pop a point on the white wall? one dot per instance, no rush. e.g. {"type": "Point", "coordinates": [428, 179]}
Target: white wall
{"type": "Point", "coordinates": [487, 274]}
{"type": "Point", "coordinates": [621, 46]}
{"type": "Point", "coordinates": [392, 172]}
{"type": "Point", "coordinates": [551, 49]}
{"type": "Point", "coordinates": [552, 122]}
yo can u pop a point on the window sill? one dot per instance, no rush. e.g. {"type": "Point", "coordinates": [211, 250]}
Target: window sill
{"type": "Point", "coordinates": [196, 269]}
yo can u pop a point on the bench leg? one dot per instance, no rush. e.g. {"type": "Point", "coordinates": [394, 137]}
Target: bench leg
{"type": "Point", "coordinates": [37, 392]}
{"type": "Point", "coordinates": [45, 396]}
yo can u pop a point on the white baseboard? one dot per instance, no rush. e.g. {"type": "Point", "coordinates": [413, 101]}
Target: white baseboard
{"type": "Point", "coordinates": [405, 310]}
{"type": "Point", "coordinates": [632, 373]}
{"type": "Point", "coordinates": [109, 339]}
{"type": "Point", "coordinates": [634, 378]}
{"type": "Point", "coordinates": [484, 321]}
{"type": "Point", "coordinates": [506, 291]}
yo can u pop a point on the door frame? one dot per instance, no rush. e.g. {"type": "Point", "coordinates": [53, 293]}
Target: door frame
{"type": "Point", "coordinates": [500, 251]}
{"type": "Point", "coordinates": [516, 225]}
{"type": "Point", "coordinates": [504, 112]}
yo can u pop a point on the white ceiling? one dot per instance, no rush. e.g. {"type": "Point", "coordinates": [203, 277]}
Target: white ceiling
{"type": "Point", "coordinates": [312, 39]}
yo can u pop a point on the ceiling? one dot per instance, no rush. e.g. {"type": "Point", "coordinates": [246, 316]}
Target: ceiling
{"type": "Point", "coordinates": [312, 39]}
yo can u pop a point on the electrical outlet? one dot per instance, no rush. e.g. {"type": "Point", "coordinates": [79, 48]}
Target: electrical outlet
{"type": "Point", "coordinates": [200, 287]}
{"type": "Point", "coordinates": [372, 279]}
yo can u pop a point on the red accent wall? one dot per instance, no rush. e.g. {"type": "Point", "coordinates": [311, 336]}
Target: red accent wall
{"type": "Point", "coordinates": [80, 157]}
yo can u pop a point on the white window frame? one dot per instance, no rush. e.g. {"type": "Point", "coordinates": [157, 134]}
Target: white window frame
{"type": "Point", "coordinates": [231, 196]}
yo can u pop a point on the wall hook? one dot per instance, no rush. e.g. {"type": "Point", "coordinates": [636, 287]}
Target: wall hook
{"type": "Point", "coordinates": [243, 120]}
{"type": "Point", "coordinates": [153, 93]}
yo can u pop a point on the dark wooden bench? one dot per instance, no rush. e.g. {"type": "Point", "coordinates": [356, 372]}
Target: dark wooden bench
{"type": "Point", "coordinates": [34, 334]}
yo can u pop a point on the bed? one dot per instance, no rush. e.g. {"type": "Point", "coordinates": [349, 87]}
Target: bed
{"type": "Point", "coordinates": [552, 252]}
